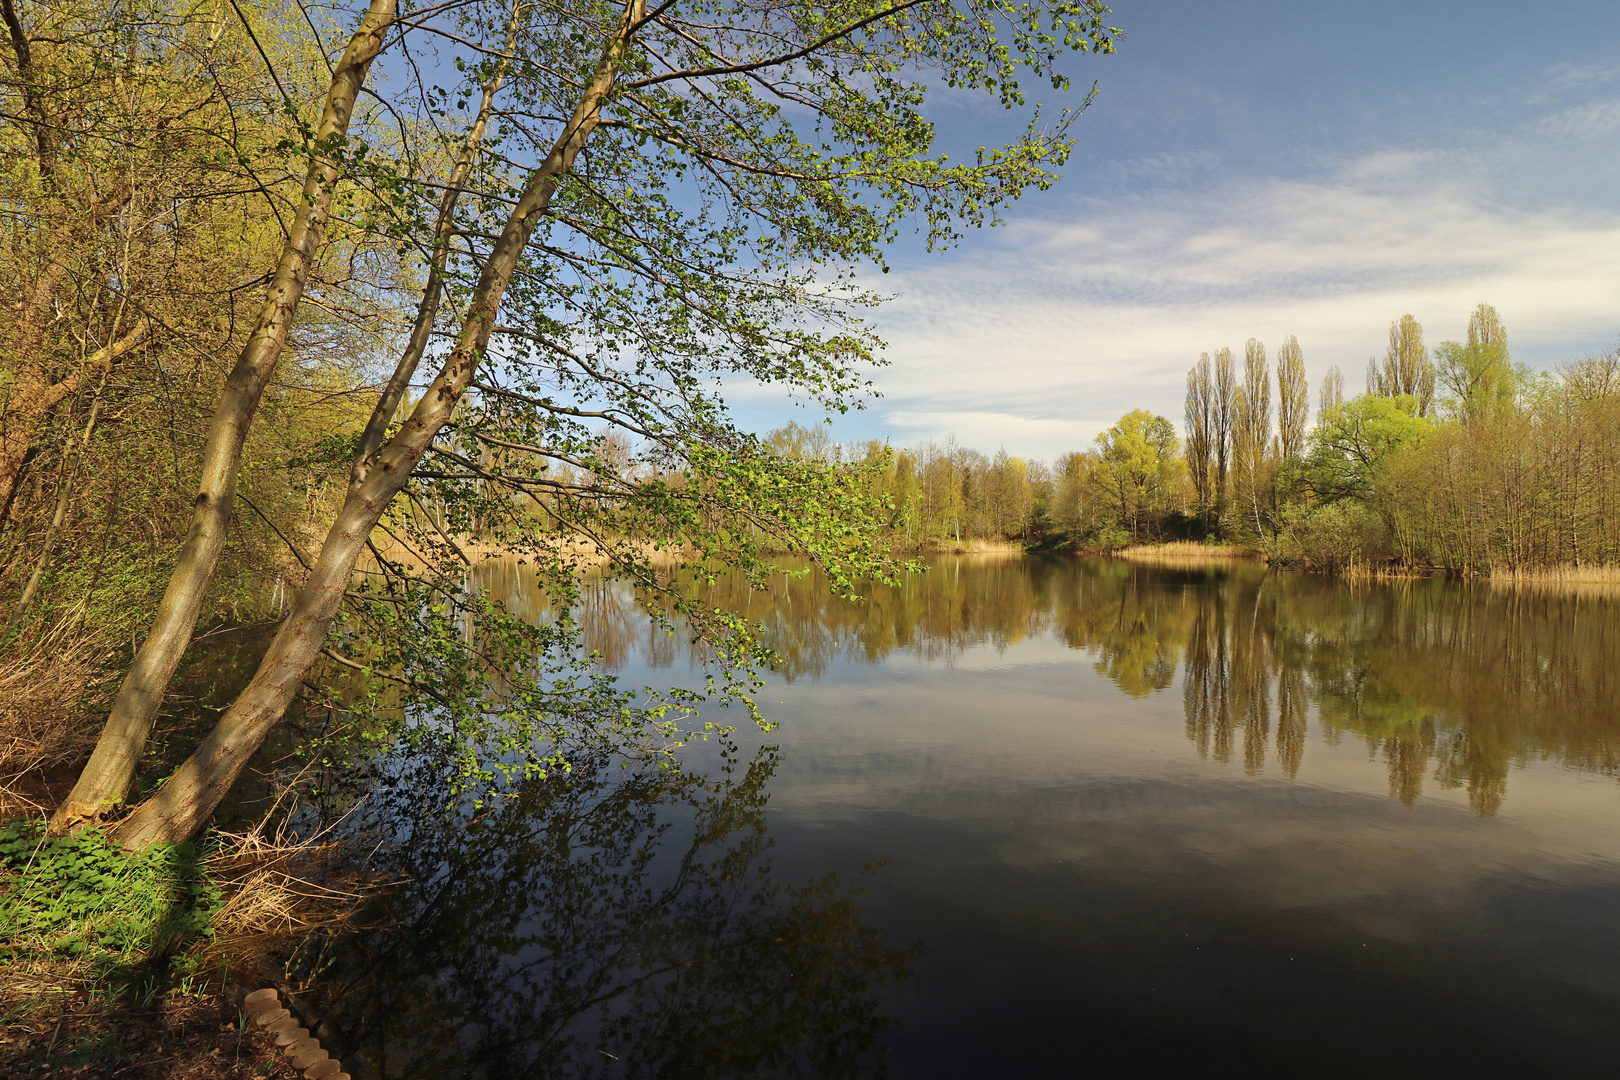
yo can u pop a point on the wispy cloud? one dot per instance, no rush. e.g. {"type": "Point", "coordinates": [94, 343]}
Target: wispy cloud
{"type": "Point", "coordinates": [1066, 325]}
{"type": "Point", "coordinates": [1563, 79]}
{"type": "Point", "coordinates": [1593, 120]}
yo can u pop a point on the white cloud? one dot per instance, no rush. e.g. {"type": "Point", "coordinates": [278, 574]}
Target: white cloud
{"type": "Point", "coordinates": [1563, 79]}
{"type": "Point", "coordinates": [1593, 120]}
{"type": "Point", "coordinates": [1040, 342]}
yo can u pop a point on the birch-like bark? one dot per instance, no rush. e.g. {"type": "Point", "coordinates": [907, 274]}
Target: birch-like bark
{"type": "Point", "coordinates": [184, 804]}
{"type": "Point", "coordinates": [106, 778]}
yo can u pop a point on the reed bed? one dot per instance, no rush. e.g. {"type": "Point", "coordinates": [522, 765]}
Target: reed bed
{"type": "Point", "coordinates": [1564, 574]}
{"type": "Point", "coordinates": [1187, 549]}
{"type": "Point", "coordinates": [1360, 569]}
{"type": "Point", "coordinates": [973, 547]}
{"type": "Point", "coordinates": [1598, 582]}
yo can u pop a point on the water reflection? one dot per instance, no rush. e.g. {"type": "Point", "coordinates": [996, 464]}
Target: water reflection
{"type": "Point", "coordinates": [1448, 683]}
{"type": "Point", "coordinates": [618, 921]}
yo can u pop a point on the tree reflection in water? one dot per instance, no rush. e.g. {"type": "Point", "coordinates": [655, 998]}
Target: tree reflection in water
{"type": "Point", "coordinates": [1450, 683]}
{"type": "Point", "coordinates": [617, 921]}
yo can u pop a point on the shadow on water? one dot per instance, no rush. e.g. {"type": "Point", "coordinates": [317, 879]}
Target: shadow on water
{"type": "Point", "coordinates": [616, 921]}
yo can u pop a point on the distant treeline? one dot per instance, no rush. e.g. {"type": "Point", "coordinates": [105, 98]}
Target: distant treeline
{"type": "Point", "coordinates": [1454, 457]}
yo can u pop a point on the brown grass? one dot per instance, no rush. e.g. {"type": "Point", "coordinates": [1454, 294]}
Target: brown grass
{"type": "Point", "coordinates": [45, 696]}
{"type": "Point", "coordinates": [1566, 574]}
{"type": "Point", "coordinates": [280, 892]}
{"type": "Point", "coordinates": [1567, 579]}
{"type": "Point", "coordinates": [1187, 550]}
{"type": "Point", "coordinates": [1361, 570]}
{"type": "Point", "coordinates": [973, 547]}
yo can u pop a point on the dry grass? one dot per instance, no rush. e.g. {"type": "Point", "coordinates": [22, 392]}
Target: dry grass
{"type": "Point", "coordinates": [1566, 574]}
{"type": "Point", "coordinates": [1187, 550]}
{"type": "Point", "coordinates": [1361, 570]}
{"type": "Point", "coordinates": [45, 695]}
{"type": "Point", "coordinates": [973, 547]}
{"type": "Point", "coordinates": [279, 893]}
{"type": "Point", "coordinates": [1567, 579]}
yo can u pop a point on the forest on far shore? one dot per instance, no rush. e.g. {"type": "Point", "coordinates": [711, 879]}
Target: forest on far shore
{"type": "Point", "coordinates": [1453, 458]}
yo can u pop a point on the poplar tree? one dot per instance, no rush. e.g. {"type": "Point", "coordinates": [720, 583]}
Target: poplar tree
{"type": "Point", "coordinates": [1479, 374]}
{"type": "Point", "coordinates": [1332, 394]}
{"type": "Point", "coordinates": [1222, 425]}
{"type": "Point", "coordinates": [1252, 431]}
{"type": "Point", "coordinates": [1292, 398]}
{"type": "Point", "coordinates": [1407, 368]}
{"type": "Point", "coordinates": [1199, 405]}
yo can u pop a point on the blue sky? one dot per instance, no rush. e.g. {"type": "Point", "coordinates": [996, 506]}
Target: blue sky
{"type": "Point", "coordinates": [1259, 169]}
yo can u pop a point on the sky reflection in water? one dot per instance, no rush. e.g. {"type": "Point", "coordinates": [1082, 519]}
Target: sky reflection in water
{"type": "Point", "coordinates": [1144, 821]}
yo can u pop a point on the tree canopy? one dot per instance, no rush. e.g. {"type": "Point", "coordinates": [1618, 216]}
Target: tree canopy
{"type": "Point", "coordinates": [601, 215]}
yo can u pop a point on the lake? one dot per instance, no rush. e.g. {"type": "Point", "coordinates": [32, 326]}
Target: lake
{"type": "Point", "coordinates": [1047, 817]}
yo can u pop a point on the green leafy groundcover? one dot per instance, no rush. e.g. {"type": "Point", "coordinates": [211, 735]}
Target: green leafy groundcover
{"type": "Point", "coordinates": [82, 899]}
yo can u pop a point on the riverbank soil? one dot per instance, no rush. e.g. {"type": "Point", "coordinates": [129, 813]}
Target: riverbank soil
{"type": "Point", "coordinates": [179, 1036]}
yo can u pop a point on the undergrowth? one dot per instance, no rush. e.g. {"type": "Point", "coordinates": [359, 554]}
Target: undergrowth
{"type": "Point", "coordinates": [79, 906]}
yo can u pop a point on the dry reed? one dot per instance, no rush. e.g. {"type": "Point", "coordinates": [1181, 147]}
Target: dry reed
{"type": "Point", "coordinates": [973, 547]}
{"type": "Point", "coordinates": [1186, 549]}
{"type": "Point", "coordinates": [1565, 574]}
{"type": "Point", "coordinates": [1601, 582]}
{"type": "Point", "coordinates": [280, 891]}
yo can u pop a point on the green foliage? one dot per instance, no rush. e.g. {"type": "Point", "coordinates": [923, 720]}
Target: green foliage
{"type": "Point", "coordinates": [1354, 441]}
{"type": "Point", "coordinates": [1479, 376]}
{"type": "Point", "coordinates": [82, 899]}
{"type": "Point", "coordinates": [1140, 462]}
{"type": "Point", "coordinates": [160, 189]}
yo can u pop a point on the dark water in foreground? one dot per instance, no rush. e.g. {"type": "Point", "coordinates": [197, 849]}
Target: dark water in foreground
{"type": "Point", "coordinates": [1054, 818]}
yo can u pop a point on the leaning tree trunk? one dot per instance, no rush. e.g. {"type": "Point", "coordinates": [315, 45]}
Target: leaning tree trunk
{"type": "Point", "coordinates": [183, 805]}
{"type": "Point", "coordinates": [106, 778]}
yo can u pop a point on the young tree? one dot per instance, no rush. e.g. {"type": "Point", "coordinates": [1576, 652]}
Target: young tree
{"type": "Point", "coordinates": [1138, 462]}
{"type": "Point", "coordinates": [1292, 399]}
{"type": "Point", "coordinates": [662, 188]}
{"type": "Point", "coordinates": [1070, 482]}
{"type": "Point", "coordinates": [1353, 443]}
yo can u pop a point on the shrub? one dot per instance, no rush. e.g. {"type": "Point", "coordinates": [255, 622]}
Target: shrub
{"type": "Point", "coordinates": [1329, 536]}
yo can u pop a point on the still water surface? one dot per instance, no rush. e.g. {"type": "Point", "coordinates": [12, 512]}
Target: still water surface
{"type": "Point", "coordinates": [1028, 817]}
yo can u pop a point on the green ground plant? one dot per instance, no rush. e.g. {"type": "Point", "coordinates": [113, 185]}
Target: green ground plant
{"type": "Point", "coordinates": [92, 913]}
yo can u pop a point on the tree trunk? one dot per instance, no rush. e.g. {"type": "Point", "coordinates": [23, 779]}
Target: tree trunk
{"type": "Point", "coordinates": [106, 778]}
{"type": "Point", "coordinates": [183, 805]}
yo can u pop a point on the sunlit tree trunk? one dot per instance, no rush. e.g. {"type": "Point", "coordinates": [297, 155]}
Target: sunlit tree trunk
{"type": "Point", "coordinates": [183, 805]}
{"type": "Point", "coordinates": [106, 778]}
